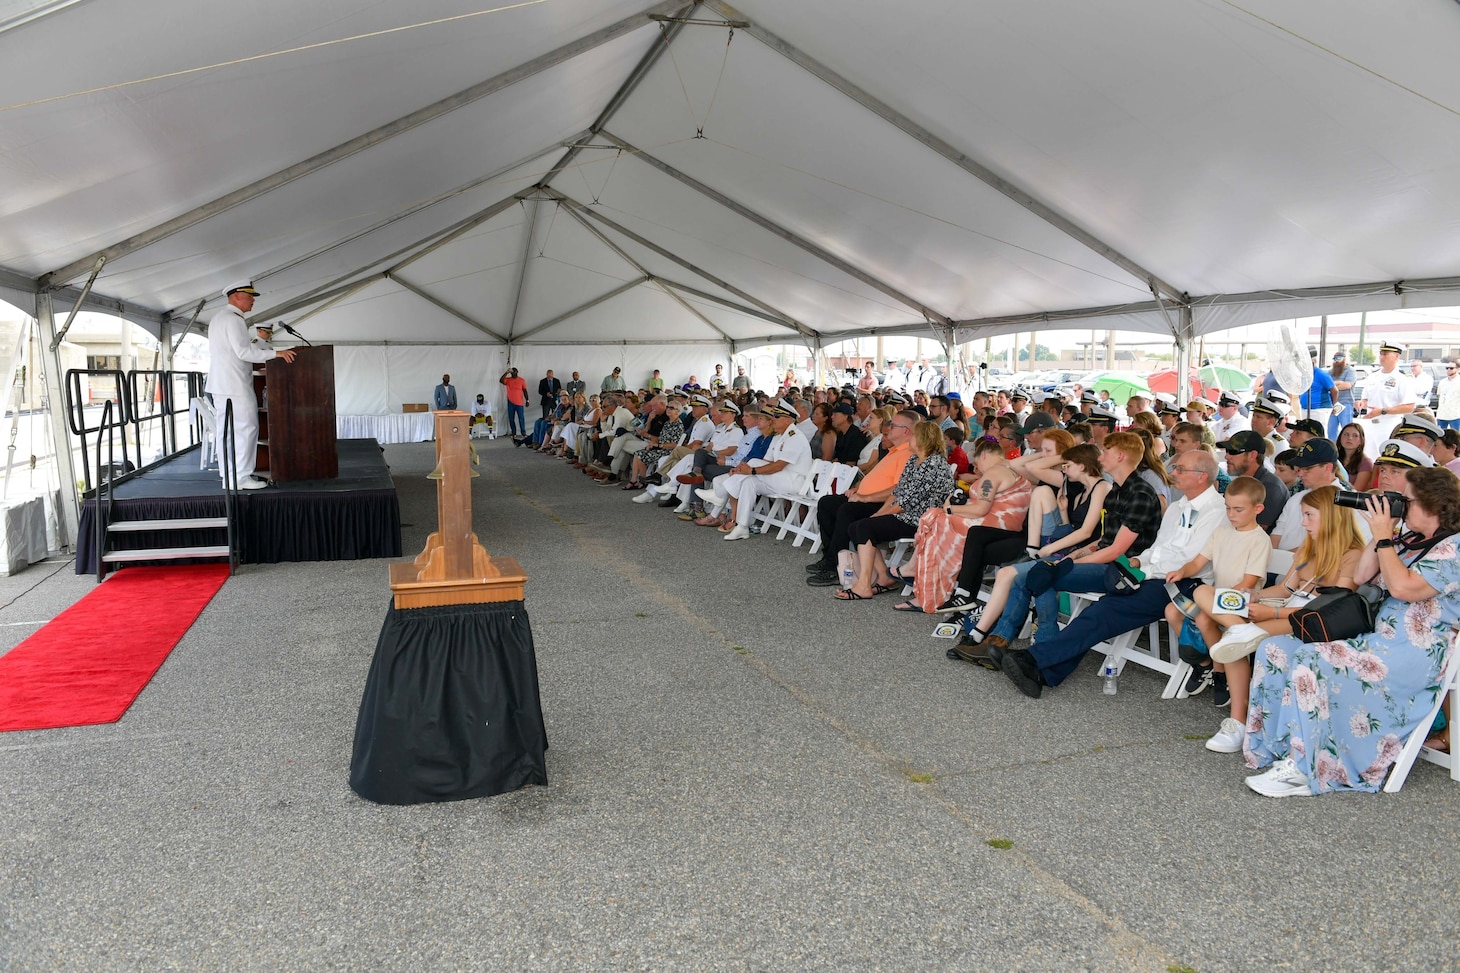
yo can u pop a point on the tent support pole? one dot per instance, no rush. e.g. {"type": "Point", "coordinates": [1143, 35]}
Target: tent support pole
{"type": "Point", "coordinates": [359, 143]}
{"type": "Point", "coordinates": [522, 270]}
{"type": "Point", "coordinates": [619, 251]}
{"type": "Point", "coordinates": [1184, 340]}
{"type": "Point", "coordinates": [337, 286]}
{"type": "Point", "coordinates": [789, 236]}
{"type": "Point", "coordinates": [942, 148]}
{"type": "Point", "coordinates": [437, 302]}
{"type": "Point", "coordinates": [80, 300]}
{"type": "Point", "coordinates": [186, 328]}
{"type": "Point", "coordinates": [621, 289]}
{"type": "Point", "coordinates": [575, 207]}
{"type": "Point", "coordinates": [406, 214]}
{"type": "Point", "coordinates": [69, 514]}
{"type": "Point", "coordinates": [716, 299]}
{"type": "Point", "coordinates": [668, 32]}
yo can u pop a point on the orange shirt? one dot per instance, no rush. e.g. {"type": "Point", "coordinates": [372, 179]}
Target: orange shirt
{"type": "Point", "coordinates": [887, 472]}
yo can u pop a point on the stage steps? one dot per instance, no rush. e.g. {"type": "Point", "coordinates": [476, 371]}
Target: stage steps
{"type": "Point", "coordinates": [114, 553]}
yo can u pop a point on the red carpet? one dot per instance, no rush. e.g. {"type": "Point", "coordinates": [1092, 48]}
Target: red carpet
{"type": "Point", "coordinates": [89, 663]}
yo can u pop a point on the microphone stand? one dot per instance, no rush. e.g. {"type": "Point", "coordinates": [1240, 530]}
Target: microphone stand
{"type": "Point", "coordinates": [284, 327]}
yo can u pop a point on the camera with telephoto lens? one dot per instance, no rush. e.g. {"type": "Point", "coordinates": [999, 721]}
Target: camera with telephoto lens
{"type": "Point", "coordinates": [1360, 501]}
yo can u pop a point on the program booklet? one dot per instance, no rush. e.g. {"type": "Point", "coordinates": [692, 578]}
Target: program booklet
{"type": "Point", "coordinates": [1229, 601]}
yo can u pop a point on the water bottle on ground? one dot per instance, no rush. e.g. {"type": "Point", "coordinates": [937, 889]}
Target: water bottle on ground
{"type": "Point", "coordinates": [1112, 677]}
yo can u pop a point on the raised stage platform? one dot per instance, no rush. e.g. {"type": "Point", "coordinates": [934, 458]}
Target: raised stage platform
{"type": "Point", "coordinates": [355, 515]}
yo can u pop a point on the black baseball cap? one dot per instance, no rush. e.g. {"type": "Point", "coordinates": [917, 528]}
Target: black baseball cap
{"type": "Point", "coordinates": [1315, 452]}
{"type": "Point", "coordinates": [1244, 441]}
{"type": "Point", "coordinates": [1038, 422]}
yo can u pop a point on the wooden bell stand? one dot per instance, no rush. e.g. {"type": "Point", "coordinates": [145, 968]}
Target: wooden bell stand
{"type": "Point", "coordinates": [454, 568]}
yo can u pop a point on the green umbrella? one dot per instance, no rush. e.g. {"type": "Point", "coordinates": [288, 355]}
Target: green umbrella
{"type": "Point", "coordinates": [1224, 377]}
{"type": "Point", "coordinates": [1122, 387]}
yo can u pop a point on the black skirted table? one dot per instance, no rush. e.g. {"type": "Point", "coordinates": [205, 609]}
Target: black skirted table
{"type": "Point", "coordinates": [451, 708]}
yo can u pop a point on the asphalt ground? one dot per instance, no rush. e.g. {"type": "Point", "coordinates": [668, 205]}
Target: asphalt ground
{"type": "Point", "coordinates": [744, 774]}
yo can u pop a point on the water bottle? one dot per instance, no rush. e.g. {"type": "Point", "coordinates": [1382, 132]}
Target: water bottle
{"type": "Point", "coordinates": [1112, 677]}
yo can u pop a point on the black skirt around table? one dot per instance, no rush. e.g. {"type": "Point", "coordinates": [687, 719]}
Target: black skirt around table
{"type": "Point", "coordinates": [451, 708]}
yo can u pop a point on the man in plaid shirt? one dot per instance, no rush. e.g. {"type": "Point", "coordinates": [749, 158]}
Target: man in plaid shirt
{"type": "Point", "coordinates": [1183, 534]}
{"type": "Point", "coordinates": [1128, 526]}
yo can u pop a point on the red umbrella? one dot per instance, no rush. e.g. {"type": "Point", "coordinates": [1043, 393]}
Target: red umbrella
{"type": "Point", "coordinates": [1164, 382]}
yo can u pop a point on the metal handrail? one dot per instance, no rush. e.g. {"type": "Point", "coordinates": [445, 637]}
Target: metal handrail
{"type": "Point", "coordinates": [104, 486]}
{"type": "Point", "coordinates": [139, 417]}
{"type": "Point", "coordinates": [229, 464]}
{"type": "Point", "coordinates": [76, 415]}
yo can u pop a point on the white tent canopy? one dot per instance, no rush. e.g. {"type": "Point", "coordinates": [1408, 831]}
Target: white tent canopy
{"type": "Point", "coordinates": [549, 174]}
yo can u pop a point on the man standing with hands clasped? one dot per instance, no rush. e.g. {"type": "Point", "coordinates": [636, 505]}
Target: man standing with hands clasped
{"type": "Point", "coordinates": [1387, 395]}
{"type": "Point", "coordinates": [444, 398]}
{"type": "Point", "coordinates": [231, 357]}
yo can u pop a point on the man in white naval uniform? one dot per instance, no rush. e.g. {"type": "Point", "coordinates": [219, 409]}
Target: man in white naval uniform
{"type": "Point", "coordinates": [786, 463]}
{"type": "Point", "coordinates": [231, 357]}
{"type": "Point", "coordinates": [1387, 395]}
{"type": "Point", "coordinates": [1229, 421]}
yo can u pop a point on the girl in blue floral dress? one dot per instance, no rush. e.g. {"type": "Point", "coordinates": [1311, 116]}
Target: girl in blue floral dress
{"type": "Point", "coordinates": [1333, 716]}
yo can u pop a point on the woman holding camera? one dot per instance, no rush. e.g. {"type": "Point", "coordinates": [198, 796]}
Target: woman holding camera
{"type": "Point", "coordinates": [1333, 716]}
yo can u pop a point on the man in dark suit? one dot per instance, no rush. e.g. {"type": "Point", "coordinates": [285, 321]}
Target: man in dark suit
{"type": "Point", "coordinates": [547, 394]}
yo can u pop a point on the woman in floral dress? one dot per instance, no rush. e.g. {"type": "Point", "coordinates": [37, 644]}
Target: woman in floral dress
{"type": "Point", "coordinates": [1333, 716]}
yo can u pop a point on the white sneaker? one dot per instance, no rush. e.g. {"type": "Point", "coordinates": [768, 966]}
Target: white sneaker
{"type": "Point", "coordinates": [1240, 640]}
{"type": "Point", "coordinates": [652, 490]}
{"type": "Point", "coordinates": [707, 495]}
{"type": "Point", "coordinates": [740, 533]}
{"type": "Point", "coordinates": [1282, 779]}
{"type": "Point", "coordinates": [684, 508]}
{"type": "Point", "coordinates": [252, 483]}
{"type": "Point", "coordinates": [645, 497]}
{"type": "Point", "coordinates": [1229, 738]}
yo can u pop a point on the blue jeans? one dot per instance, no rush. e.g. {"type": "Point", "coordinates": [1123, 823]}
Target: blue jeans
{"type": "Point", "coordinates": [1082, 577]}
{"type": "Point", "coordinates": [540, 430]}
{"type": "Point", "coordinates": [516, 419]}
{"type": "Point", "coordinates": [1059, 651]}
{"type": "Point", "coordinates": [1342, 415]}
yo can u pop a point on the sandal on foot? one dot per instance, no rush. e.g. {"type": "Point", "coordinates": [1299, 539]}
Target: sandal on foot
{"type": "Point", "coordinates": [882, 589]}
{"type": "Point", "coordinates": [908, 606]}
{"type": "Point", "coordinates": [847, 594]}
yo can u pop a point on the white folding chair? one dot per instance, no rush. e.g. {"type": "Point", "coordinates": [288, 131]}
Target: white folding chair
{"type": "Point", "coordinates": [801, 517]}
{"type": "Point", "coordinates": [1123, 648]}
{"type": "Point", "coordinates": [1280, 563]}
{"type": "Point", "coordinates": [199, 407]}
{"type": "Point", "coordinates": [1415, 745]}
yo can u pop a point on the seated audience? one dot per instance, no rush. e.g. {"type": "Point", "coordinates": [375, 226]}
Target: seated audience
{"type": "Point", "coordinates": [998, 502]}
{"type": "Point", "coordinates": [1333, 716]}
{"type": "Point", "coordinates": [926, 482]}
{"type": "Point", "coordinates": [1328, 558]}
{"type": "Point", "coordinates": [1183, 532]}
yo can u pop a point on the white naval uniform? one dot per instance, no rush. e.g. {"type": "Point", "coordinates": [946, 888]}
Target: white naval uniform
{"type": "Point", "coordinates": [719, 438]}
{"type": "Point", "coordinates": [1225, 429]}
{"type": "Point", "coordinates": [789, 446]}
{"type": "Point", "coordinates": [1383, 390]}
{"type": "Point", "coordinates": [231, 357]}
{"type": "Point", "coordinates": [1279, 444]}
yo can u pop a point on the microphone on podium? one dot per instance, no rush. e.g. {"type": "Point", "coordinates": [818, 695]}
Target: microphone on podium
{"type": "Point", "coordinates": [284, 327]}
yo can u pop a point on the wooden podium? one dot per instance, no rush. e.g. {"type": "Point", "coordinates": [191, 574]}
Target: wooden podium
{"type": "Point", "coordinates": [454, 568]}
{"type": "Point", "coordinates": [297, 416]}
